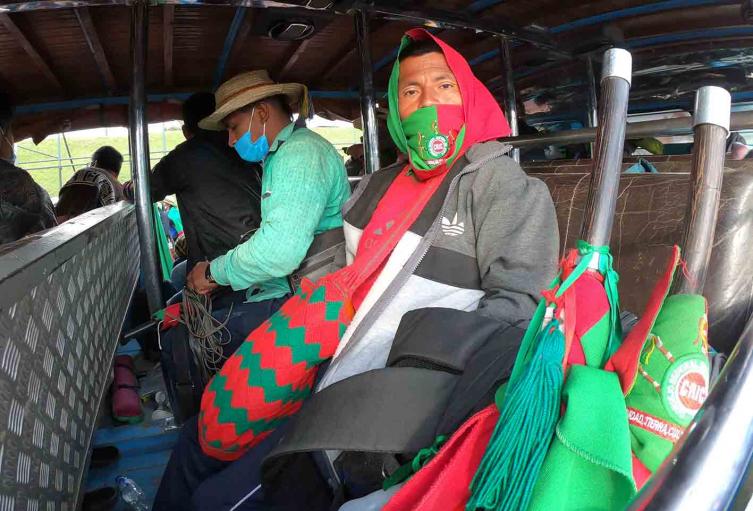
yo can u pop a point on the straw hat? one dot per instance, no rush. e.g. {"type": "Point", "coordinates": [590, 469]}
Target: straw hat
{"type": "Point", "coordinates": [250, 87]}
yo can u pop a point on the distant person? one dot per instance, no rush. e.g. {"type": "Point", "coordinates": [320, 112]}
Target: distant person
{"type": "Point", "coordinates": [737, 147]}
{"type": "Point", "coordinates": [217, 192]}
{"type": "Point", "coordinates": [25, 208]}
{"type": "Point", "coordinates": [92, 187]}
{"type": "Point", "coordinates": [174, 218]}
{"type": "Point", "coordinates": [355, 165]}
{"type": "Point", "coordinates": [163, 208]}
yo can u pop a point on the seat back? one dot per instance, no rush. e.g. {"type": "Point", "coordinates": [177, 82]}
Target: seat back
{"type": "Point", "coordinates": [75, 199]}
{"type": "Point", "coordinates": [63, 298]}
{"type": "Point", "coordinates": [650, 219]}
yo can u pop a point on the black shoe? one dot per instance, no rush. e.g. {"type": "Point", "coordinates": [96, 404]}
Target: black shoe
{"type": "Point", "coordinates": [101, 499]}
{"type": "Point", "coordinates": [104, 456]}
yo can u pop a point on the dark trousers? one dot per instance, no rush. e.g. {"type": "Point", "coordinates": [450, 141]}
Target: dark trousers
{"type": "Point", "coordinates": [183, 377]}
{"type": "Point", "coordinates": [193, 480]}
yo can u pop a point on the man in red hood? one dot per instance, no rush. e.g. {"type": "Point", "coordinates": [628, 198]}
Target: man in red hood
{"type": "Point", "coordinates": [484, 241]}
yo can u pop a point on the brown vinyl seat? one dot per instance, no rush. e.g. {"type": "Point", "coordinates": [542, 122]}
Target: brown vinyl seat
{"type": "Point", "coordinates": [650, 219]}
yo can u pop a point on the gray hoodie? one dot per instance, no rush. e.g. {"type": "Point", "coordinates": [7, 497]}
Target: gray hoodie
{"type": "Point", "coordinates": [486, 242]}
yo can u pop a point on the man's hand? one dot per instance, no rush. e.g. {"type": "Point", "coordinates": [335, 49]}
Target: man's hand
{"type": "Point", "coordinates": [197, 280]}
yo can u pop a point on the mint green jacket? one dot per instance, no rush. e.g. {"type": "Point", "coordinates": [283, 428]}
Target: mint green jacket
{"type": "Point", "coordinates": [304, 186]}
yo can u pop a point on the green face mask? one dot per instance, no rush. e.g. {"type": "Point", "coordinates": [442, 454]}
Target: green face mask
{"type": "Point", "coordinates": [433, 136]}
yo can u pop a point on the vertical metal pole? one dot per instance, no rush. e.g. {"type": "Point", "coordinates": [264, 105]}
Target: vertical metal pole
{"type": "Point", "coordinates": [610, 141]}
{"type": "Point", "coordinates": [711, 126]}
{"type": "Point", "coordinates": [60, 164]}
{"type": "Point", "coordinates": [511, 106]}
{"type": "Point", "coordinates": [368, 103]}
{"type": "Point", "coordinates": [593, 116]}
{"type": "Point", "coordinates": [139, 146]}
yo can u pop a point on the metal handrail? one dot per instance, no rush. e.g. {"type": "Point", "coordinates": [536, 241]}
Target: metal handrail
{"type": "Point", "coordinates": [661, 127]}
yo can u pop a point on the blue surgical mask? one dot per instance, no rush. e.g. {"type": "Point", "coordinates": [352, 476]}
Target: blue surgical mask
{"type": "Point", "coordinates": [249, 150]}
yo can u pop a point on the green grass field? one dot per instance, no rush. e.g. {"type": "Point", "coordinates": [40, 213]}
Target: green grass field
{"type": "Point", "coordinates": [50, 174]}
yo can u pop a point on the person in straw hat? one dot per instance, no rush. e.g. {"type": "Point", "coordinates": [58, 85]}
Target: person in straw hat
{"type": "Point", "coordinates": [304, 185]}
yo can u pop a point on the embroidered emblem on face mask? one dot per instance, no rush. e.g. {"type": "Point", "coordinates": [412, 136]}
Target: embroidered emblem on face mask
{"type": "Point", "coordinates": [685, 387]}
{"type": "Point", "coordinates": [437, 146]}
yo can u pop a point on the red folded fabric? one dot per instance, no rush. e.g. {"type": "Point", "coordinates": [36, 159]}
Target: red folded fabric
{"type": "Point", "coordinates": [444, 483]}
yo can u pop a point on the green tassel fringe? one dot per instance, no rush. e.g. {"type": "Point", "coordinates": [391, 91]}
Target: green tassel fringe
{"type": "Point", "coordinates": [510, 467]}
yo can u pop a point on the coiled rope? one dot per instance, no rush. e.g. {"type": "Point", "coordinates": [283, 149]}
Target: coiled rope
{"type": "Point", "coordinates": [206, 334]}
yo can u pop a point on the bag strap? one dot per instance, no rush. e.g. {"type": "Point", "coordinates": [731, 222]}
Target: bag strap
{"type": "Point", "coordinates": [352, 276]}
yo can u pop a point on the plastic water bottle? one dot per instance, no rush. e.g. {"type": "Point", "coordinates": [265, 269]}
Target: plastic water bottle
{"type": "Point", "coordinates": [161, 416]}
{"type": "Point", "coordinates": [132, 494]}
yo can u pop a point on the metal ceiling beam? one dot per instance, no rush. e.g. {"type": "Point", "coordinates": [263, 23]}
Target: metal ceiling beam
{"type": "Point", "coordinates": [158, 98]}
{"type": "Point", "coordinates": [677, 37]}
{"type": "Point", "coordinates": [611, 16]}
{"type": "Point", "coordinates": [227, 49]}
{"type": "Point", "coordinates": [640, 10]}
{"type": "Point", "coordinates": [480, 5]}
{"type": "Point", "coordinates": [95, 46]}
{"type": "Point", "coordinates": [168, 24]}
{"type": "Point", "coordinates": [50, 5]}
{"type": "Point", "coordinates": [242, 36]}
{"type": "Point", "coordinates": [33, 54]}
{"type": "Point", "coordinates": [636, 45]}
{"type": "Point", "coordinates": [437, 18]}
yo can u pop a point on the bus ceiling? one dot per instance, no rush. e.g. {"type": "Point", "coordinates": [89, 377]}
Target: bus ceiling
{"type": "Point", "coordinates": [68, 68]}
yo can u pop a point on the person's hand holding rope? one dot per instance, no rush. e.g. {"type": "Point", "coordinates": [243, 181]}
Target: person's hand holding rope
{"type": "Point", "coordinates": [197, 279]}
{"type": "Point", "coordinates": [207, 334]}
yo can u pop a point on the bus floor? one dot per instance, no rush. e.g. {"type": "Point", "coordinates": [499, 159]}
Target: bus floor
{"type": "Point", "coordinates": [144, 447]}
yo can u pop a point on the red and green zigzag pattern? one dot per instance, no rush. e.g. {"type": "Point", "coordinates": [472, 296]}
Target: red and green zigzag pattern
{"type": "Point", "coordinates": [270, 375]}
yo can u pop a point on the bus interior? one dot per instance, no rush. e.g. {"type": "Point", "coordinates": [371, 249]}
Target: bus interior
{"type": "Point", "coordinates": [67, 294]}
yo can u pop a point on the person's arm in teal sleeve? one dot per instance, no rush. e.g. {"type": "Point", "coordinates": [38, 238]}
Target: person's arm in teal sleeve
{"type": "Point", "coordinates": [174, 216]}
{"type": "Point", "coordinates": [300, 190]}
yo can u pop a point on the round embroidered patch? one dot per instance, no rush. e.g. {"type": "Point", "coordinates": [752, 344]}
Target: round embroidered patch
{"type": "Point", "coordinates": [685, 387]}
{"type": "Point", "coordinates": [437, 146]}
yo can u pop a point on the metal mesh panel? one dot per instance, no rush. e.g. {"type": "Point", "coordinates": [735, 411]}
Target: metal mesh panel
{"type": "Point", "coordinates": [56, 346]}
